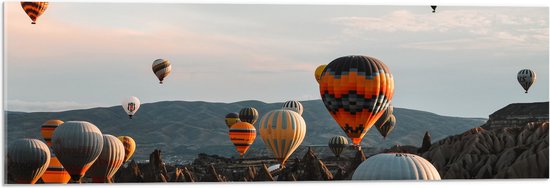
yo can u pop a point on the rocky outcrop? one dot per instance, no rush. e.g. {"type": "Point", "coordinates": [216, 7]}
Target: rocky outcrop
{"type": "Point", "coordinates": [519, 151]}
{"type": "Point", "coordinates": [517, 114]}
{"type": "Point", "coordinates": [426, 143]}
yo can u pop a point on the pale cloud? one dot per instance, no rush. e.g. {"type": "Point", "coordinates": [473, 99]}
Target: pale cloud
{"type": "Point", "coordinates": [49, 106]}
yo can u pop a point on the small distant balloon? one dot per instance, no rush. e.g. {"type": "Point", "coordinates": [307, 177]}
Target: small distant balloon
{"type": "Point", "coordinates": [131, 105]}
{"type": "Point", "coordinates": [161, 68]}
{"type": "Point", "coordinates": [386, 128]}
{"type": "Point", "coordinates": [526, 78]}
{"type": "Point", "coordinates": [433, 8]}
{"type": "Point", "coordinates": [294, 106]}
{"type": "Point", "coordinates": [231, 119]}
{"type": "Point", "coordinates": [34, 9]}
{"type": "Point", "coordinates": [249, 115]}
{"type": "Point", "coordinates": [337, 145]}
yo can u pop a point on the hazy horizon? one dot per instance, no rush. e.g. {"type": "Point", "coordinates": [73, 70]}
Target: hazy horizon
{"type": "Point", "coordinates": [461, 61]}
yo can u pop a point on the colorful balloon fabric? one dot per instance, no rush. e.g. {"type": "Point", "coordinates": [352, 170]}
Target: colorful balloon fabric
{"type": "Point", "coordinates": [129, 146]}
{"type": "Point", "coordinates": [242, 135]}
{"type": "Point", "coordinates": [396, 166]}
{"type": "Point", "coordinates": [131, 106]}
{"type": "Point", "coordinates": [249, 115]}
{"type": "Point", "coordinates": [387, 127]}
{"type": "Point", "coordinates": [356, 90]}
{"type": "Point", "coordinates": [108, 162]}
{"type": "Point", "coordinates": [337, 145]}
{"type": "Point", "coordinates": [47, 130]}
{"type": "Point", "coordinates": [161, 68]}
{"type": "Point", "coordinates": [294, 106]}
{"type": "Point", "coordinates": [77, 145]}
{"type": "Point", "coordinates": [231, 119]}
{"type": "Point", "coordinates": [27, 160]}
{"type": "Point", "coordinates": [319, 71]}
{"type": "Point", "coordinates": [282, 131]}
{"type": "Point", "coordinates": [55, 173]}
{"type": "Point", "coordinates": [526, 78]}
{"type": "Point", "coordinates": [34, 9]}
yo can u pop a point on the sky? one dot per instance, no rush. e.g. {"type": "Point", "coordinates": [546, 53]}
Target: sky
{"type": "Point", "coordinates": [461, 61]}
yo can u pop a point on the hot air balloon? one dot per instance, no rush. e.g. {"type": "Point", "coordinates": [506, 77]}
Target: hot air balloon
{"type": "Point", "coordinates": [129, 146]}
{"type": "Point", "coordinates": [231, 119]}
{"type": "Point", "coordinates": [294, 106]}
{"type": "Point", "coordinates": [356, 90]}
{"type": "Point", "coordinates": [282, 131]}
{"type": "Point", "coordinates": [161, 68]}
{"type": "Point", "coordinates": [28, 159]}
{"type": "Point", "coordinates": [242, 135]}
{"type": "Point", "coordinates": [526, 78]}
{"type": "Point", "coordinates": [34, 9]}
{"type": "Point", "coordinates": [387, 127]}
{"type": "Point", "coordinates": [337, 145]}
{"type": "Point", "coordinates": [433, 8]}
{"type": "Point", "coordinates": [55, 172]}
{"type": "Point", "coordinates": [396, 166]}
{"type": "Point", "coordinates": [131, 105]}
{"type": "Point", "coordinates": [318, 72]}
{"type": "Point", "coordinates": [249, 115]}
{"type": "Point", "coordinates": [77, 145]}
{"type": "Point", "coordinates": [108, 162]}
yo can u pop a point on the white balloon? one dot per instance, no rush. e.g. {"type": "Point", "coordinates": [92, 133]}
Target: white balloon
{"type": "Point", "coordinates": [131, 105]}
{"type": "Point", "coordinates": [396, 166]}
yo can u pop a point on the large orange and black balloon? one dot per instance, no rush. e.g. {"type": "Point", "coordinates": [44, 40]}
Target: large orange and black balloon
{"type": "Point", "coordinates": [242, 134]}
{"type": "Point", "coordinates": [34, 9]}
{"type": "Point", "coordinates": [356, 90]}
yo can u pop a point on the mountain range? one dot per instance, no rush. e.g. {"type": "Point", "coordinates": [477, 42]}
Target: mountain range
{"type": "Point", "coordinates": [183, 129]}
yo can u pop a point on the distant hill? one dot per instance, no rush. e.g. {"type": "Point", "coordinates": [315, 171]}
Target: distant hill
{"type": "Point", "coordinates": [183, 129]}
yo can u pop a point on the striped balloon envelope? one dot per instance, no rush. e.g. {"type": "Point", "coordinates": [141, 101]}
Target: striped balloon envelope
{"type": "Point", "coordinates": [231, 119]}
{"type": "Point", "coordinates": [109, 161]}
{"type": "Point", "coordinates": [47, 130]}
{"type": "Point", "coordinates": [387, 127]}
{"type": "Point", "coordinates": [161, 68]}
{"type": "Point", "coordinates": [337, 145]}
{"type": "Point", "coordinates": [27, 160]}
{"type": "Point", "coordinates": [249, 115]}
{"type": "Point", "coordinates": [396, 166]}
{"type": "Point", "coordinates": [282, 131]}
{"type": "Point", "coordinates": [34, 9]}
{"type": "Point", "coordinates": [356, 90]}
{"type": "Point", "coordinates": [77, 145]}
{"type": "Point", "coordinates": [294, 106]}
{"type": "Point", "coordinates": [242, 135]}
{"type": "Point", "coordinates": [55, 172]}
{"type": "Point", "coordinates": [129, 146]}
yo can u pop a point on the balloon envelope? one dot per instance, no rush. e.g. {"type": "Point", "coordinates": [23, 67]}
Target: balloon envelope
{"type": "Point", "coordinates": [161, 68]}
{"type": "Point", "coordinates": [28, 159]}
{"type": "Point", "coordinates": [387, 127]}
{"type": "Point", "coordinates": [318, 72]}
{"type": "Point", "coordinates": [356, 90]}
{"type": "Point", "coordinates": [129, 146]}
{"type": "Point", "coordinates": [77, 144]}
{"type": "Point", "coordinates": [294, 106]}
{"type": "Point", "coordinates": [231, 119]}
{"type": "Point", "coordinates": [249, 115]}
{"type": "Point", "coordinates": [34, 9]}
{"type": "Point", "coordinates": [242, 135]}
{"type": "Point", "coordinates": [47, 130]}
{"type": "Point", "coordinates": [108, 162]}
{"type": "Point", "coordinates": [131, 105]}
{"type": "Point", "coordinates": [526, 78]}
{"type": "Point", "coordinates": [55, 174]}
{"type": "Point", "coordinates": [282, 131]}
{"type": "Point", "coordinates": [396, 166]}
{"type": "Point", "coordinates": [337, 144]}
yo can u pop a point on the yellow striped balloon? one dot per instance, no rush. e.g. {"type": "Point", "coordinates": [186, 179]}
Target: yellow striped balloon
{"type": "Point", "coordinates": [47, 130]}
{"type": "Point", "coordinates": [249, 115]}
{"type": "Point", "coordinates": [55, 172]}
{"type": "Point", "coordinates": [242, 135]}
{"type": "Point", "coordinates": [108, 162]}
{"type": "Point", "coordinates": [337, 145]}
{"type": "Point", "coordinates": [282, 131]}
{"type": "Point", "coordinates": [231, 119]}
{"type": "Point", "coordinates": [27, 160]}
{"type": "Point", "coordinates": [162, 69]}
{"type": "Point", "coordinates": [34, 9]}
{"type": "Point", "coordinates": [129, 146]}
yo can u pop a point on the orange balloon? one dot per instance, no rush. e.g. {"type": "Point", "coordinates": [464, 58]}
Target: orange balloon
{"type": "Point", "coordinates": [242, 134]}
